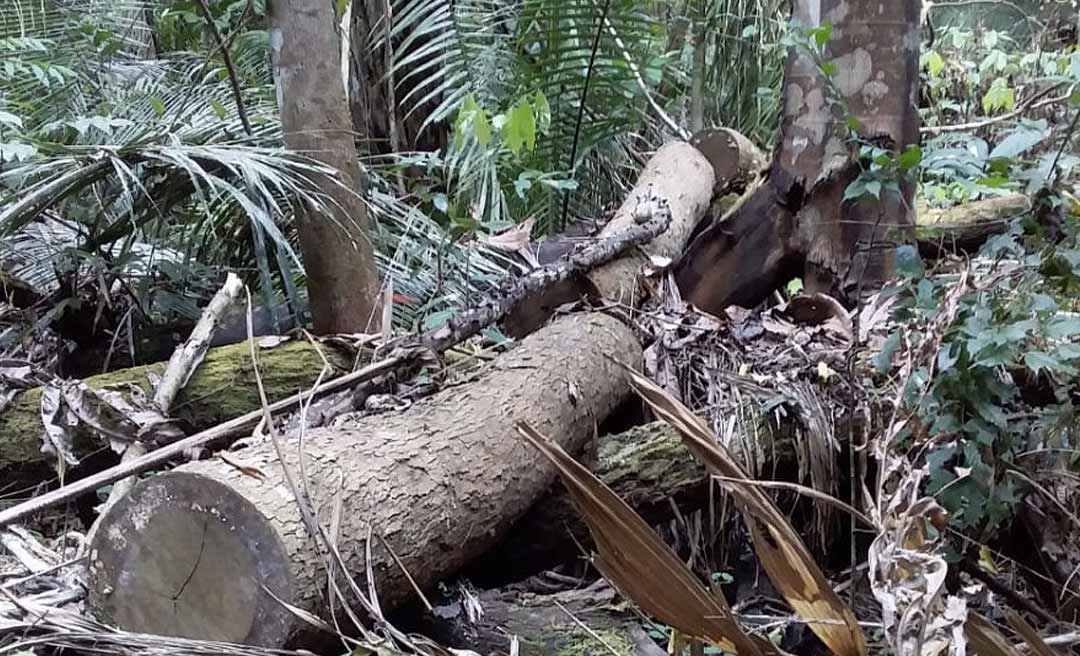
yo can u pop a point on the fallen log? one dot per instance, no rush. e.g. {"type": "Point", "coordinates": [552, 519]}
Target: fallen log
{"type": "Point", "coordinates": [686, 176]}
{"type": "Point", "coordinates": [651, 219]}
{"type": "Point", "coordinates": [222, 388]}
{"type": "Point", "coordinates": [965, 228]}
{"type": "Point", "coordinates": [440, 482]}
{"type": "Point", "coordinates": [585, 621]}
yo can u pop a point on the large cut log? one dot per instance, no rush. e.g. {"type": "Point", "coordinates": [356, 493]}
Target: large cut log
{"type": "Point", "coordinates": [193, 552]}
{"type": "Point", "coordinates": [686, 175]}
{"type": "Point", "coordinates": [222, 387]}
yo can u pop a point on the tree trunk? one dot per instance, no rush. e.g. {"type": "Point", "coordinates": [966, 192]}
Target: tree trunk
{"type": "Point", "coordinates": [687, 175]}
{"type": "Point", "coordinates": [798, 223]}
{"type": "Point", "coordinates": [221, 388]}
{"type": "Point", "coordinates": [441, 482]}
{"type": "Point", "coordinates": [339, 261]}
{"type": "Point", "coordinates": [377, 114]}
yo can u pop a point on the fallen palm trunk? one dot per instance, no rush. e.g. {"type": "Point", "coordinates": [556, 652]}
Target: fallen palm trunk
{"type": "Point", "coordinates": [223, 387]}
{"type": "Point", "coordinates": [440, 483]}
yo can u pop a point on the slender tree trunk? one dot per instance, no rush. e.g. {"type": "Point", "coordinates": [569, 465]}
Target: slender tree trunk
{"type": "Point", "coordinates": [342, 280]}
{"type": "Point", "coordinates": [384, 125]}
{"type": "Point", "coordinates": [697, 82]}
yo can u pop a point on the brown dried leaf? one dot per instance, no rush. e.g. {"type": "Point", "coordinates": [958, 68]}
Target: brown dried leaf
{"type": "Point", "coordinates": [779, 548]}
{"type": "Point", "coordinates": [1029, 634]}
{"type": "Point", "coordinates": [640, 565]}
{"type": "Point", "coordinates": [59, 424]}
{"type": "Point", "coordinates": [984, 638]}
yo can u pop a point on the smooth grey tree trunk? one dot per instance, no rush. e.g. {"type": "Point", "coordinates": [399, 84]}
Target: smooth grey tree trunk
{"type": "Point", "coordinates": [338, 257]}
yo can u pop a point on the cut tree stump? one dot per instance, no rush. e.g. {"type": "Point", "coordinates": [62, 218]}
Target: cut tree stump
{"type": "Point", "coordinates": [189, 552]}
{"type": "Point", "coordinates": [222, 387]}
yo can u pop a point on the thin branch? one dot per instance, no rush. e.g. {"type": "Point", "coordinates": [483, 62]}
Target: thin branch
{"type": "Point", "coordinates": [234, 82]}
{"type": "Point", "coordinates": [1015, 599]}
{"type": "Point", "coordinates": [1028, 105]}
{"type": "Point", "coordinates": [581, 108]}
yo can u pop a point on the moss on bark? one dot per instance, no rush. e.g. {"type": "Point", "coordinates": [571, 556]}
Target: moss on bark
{"type": "Point", "coordinates": [222, 387]}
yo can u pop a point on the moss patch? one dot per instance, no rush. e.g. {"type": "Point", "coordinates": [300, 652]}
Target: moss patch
{"type": "Point", "coordinates": [223, 387]}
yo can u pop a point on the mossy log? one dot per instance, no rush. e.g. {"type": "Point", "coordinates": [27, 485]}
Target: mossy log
{"type": "Point", "coordinates": [440, 482]}
{"type": "Point", "coordinates": [965, 228]}
{"type": "Point", "coordinates": [222, 387]}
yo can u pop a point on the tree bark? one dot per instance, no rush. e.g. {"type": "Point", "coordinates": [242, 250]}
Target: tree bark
{"type": "Point", "coordinates": [339, 261]}
{"type": "Point", "coordinates": [440, 482]}
{"type": "Point", "coordinates": [797, 222]}
{"type": "Point", "coordinates": [686, 175]}
{"type": "Point", "coordinates": [222, 387]}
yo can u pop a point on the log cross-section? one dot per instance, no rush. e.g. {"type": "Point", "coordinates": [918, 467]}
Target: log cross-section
{"type": "Point", "coordinates": [189, 553]}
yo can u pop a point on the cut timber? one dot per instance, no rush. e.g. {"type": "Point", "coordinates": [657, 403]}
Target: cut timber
{"type": "Point", "coordinates": [680, 173]}
{"type": "Point", "coordinates": [544, 624]}
{"type": "Point", "coordinates": [965, 228]}
{"type": "Point", "coordinates": [686, 176]}
{"type": "Point", "coordinates": [222, 387]}
{"type": "Point", "coordinates": [441, 482]}
{"type": "Point", "coordinates": [734, 158]}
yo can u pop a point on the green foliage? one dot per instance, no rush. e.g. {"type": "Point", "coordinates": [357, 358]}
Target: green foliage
{"type": "Point", "coordinates": [973, 422]}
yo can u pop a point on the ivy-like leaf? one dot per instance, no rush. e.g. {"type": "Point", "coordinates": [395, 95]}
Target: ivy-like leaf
{"type": "Point", "coordinates": [1000, 97]}
{"type": "Point", "coordinates": [1039, 360]}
